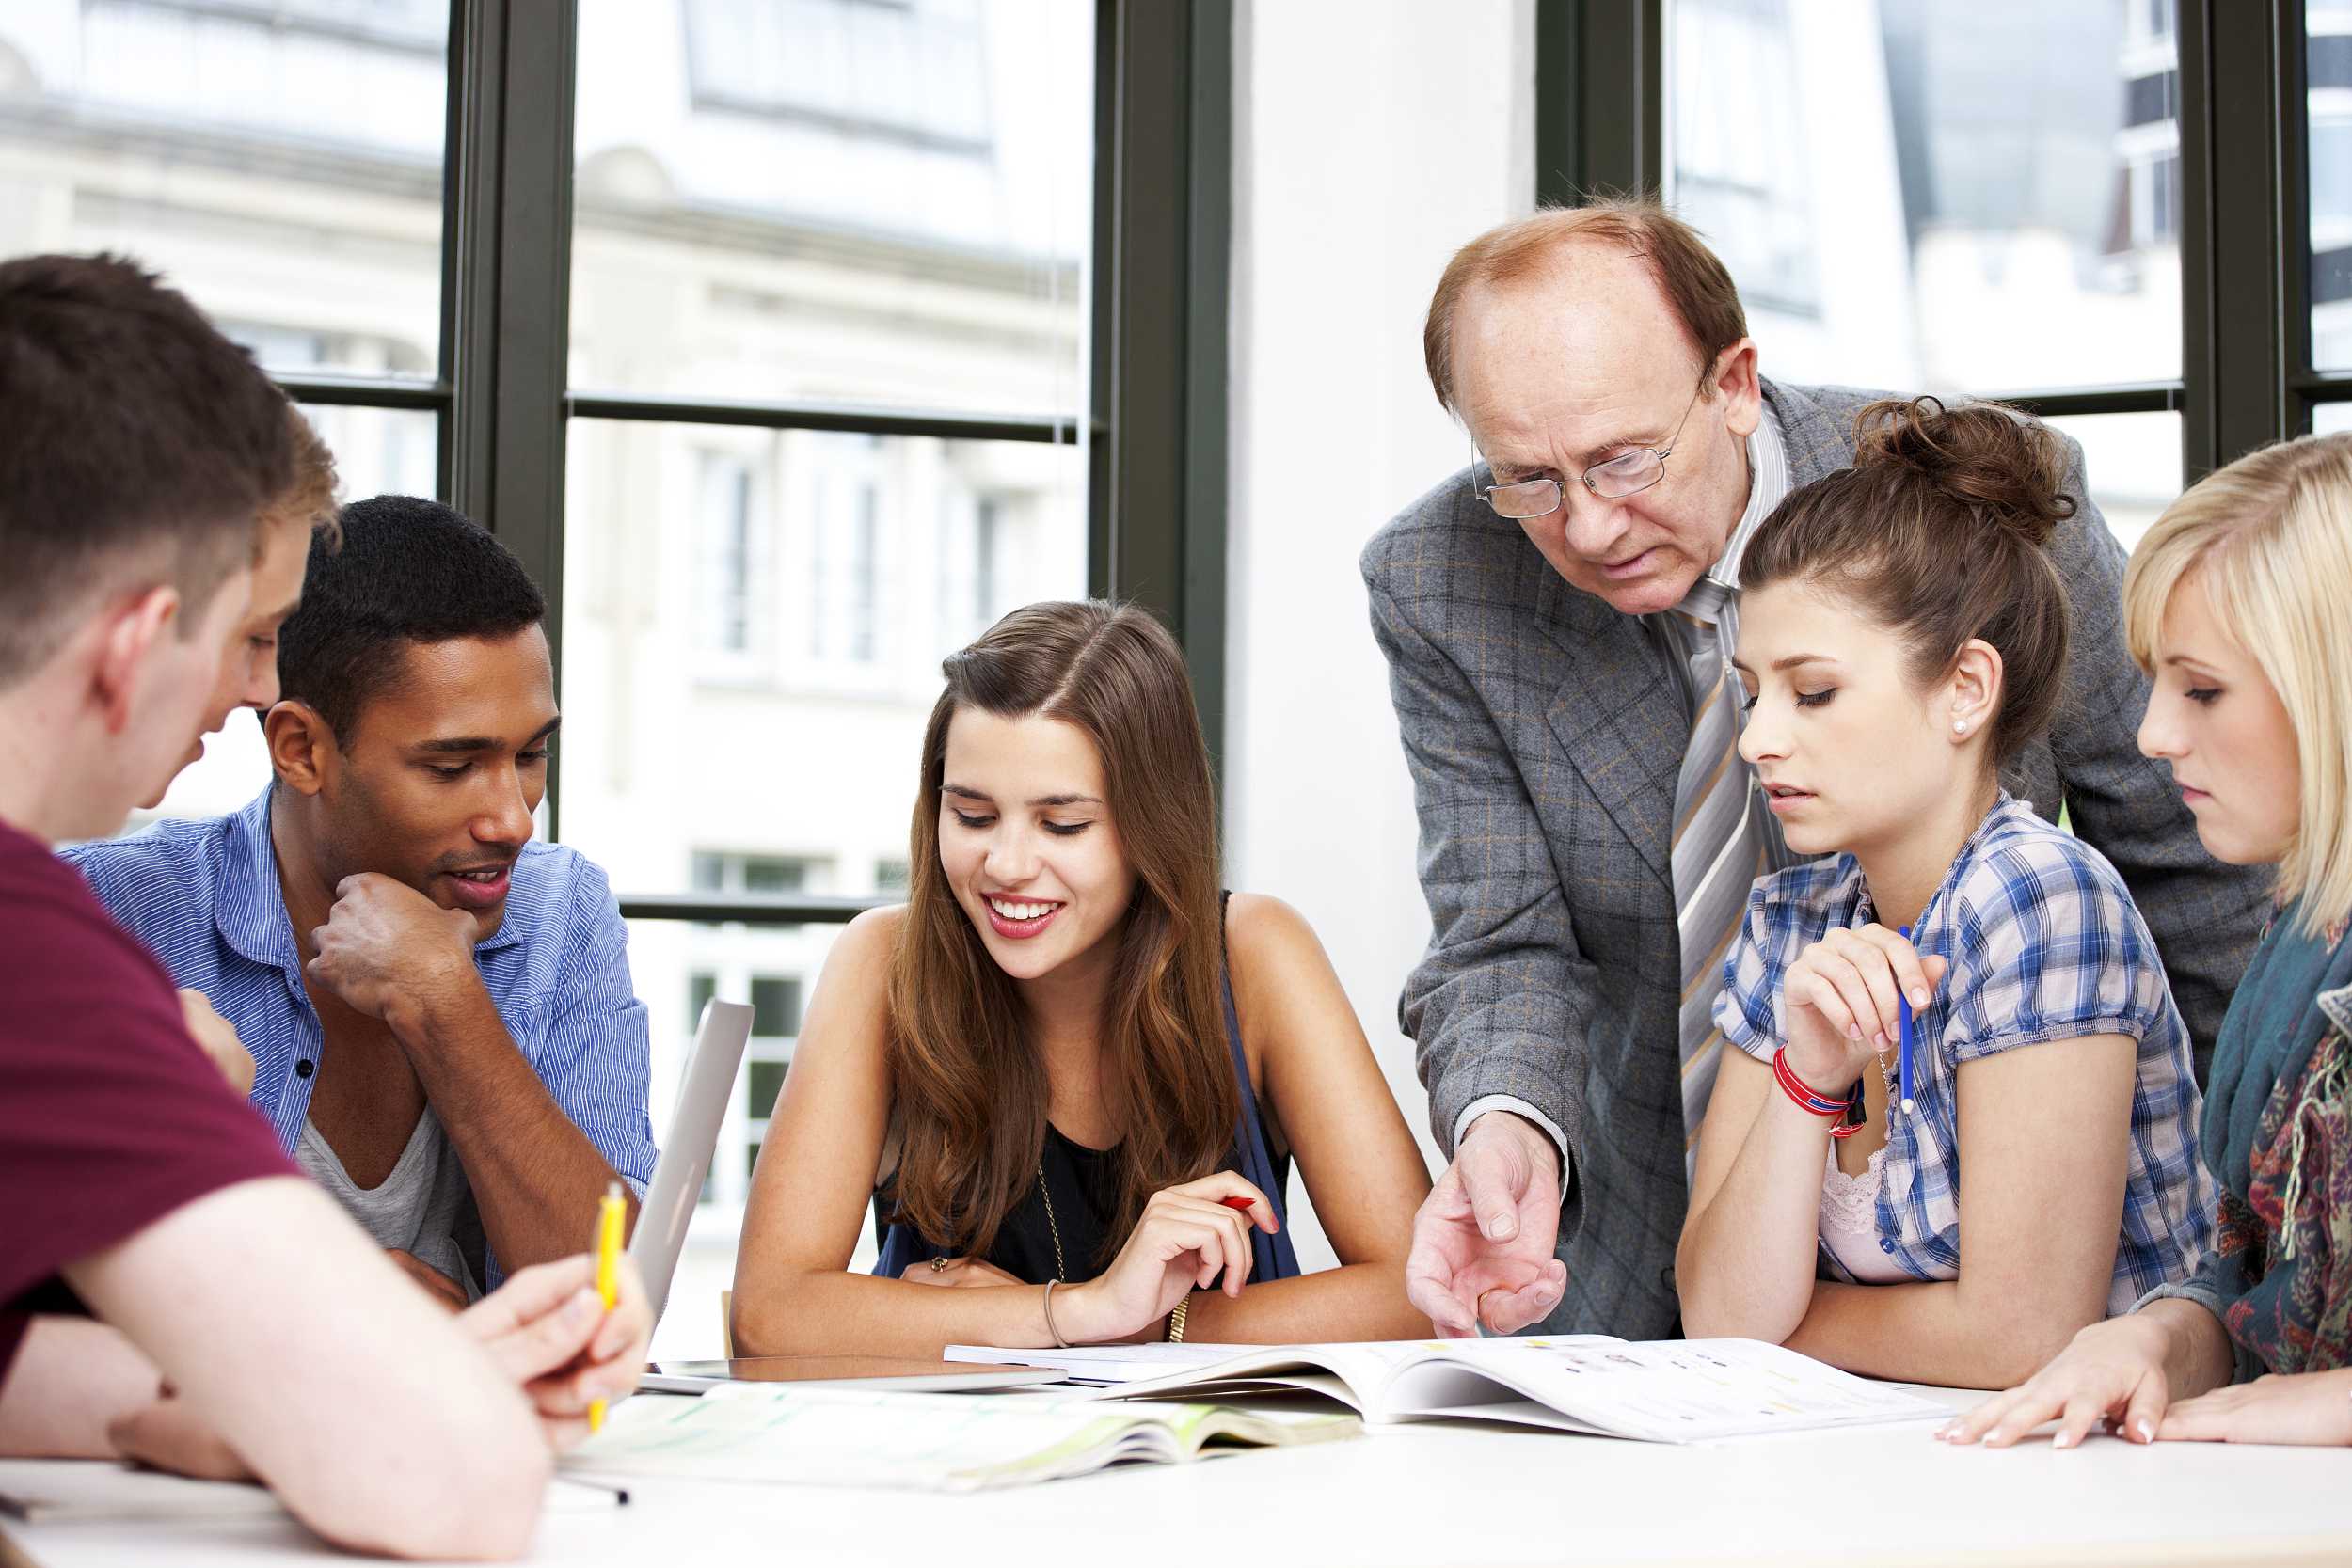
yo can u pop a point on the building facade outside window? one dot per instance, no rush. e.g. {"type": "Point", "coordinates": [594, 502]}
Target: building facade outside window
{"type": "Point", "coordinates": [882, 204]}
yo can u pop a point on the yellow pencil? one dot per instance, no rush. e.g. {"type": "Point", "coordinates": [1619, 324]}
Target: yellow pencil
{"type": "Point", "coordinates": [612, 1218]}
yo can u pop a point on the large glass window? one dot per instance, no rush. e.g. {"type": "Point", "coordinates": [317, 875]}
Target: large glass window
{"type": "Point", "coordinates": [828, 297]}
{"type": "Point", "coordinates": [834, 201]}
{"type": "Point", "coordinates": [810, 237]}
{"type": "Point", "coordinates": [2328, 72]}
{"type": "Point", "coordinates": [1933, 199]}
{"type": "Point", "coordinates": [281, 164]}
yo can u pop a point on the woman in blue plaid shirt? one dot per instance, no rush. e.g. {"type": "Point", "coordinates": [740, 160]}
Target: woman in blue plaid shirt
{"type": "Point", "coordinates": [1902, 634]}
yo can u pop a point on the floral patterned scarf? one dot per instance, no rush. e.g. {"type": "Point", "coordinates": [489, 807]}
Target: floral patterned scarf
{"type": "Point", "coordinates": [2278, 1133]}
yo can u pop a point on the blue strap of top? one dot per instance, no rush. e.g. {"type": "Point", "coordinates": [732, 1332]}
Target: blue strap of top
{"type": "Point", "coordinates": [1273, 1256]}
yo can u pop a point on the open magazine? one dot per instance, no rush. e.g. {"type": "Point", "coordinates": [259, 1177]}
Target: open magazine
{"type": "Point", "coordinates": [1660, 1391]}
{"type": "Point", "coordinates": [779, 1431]}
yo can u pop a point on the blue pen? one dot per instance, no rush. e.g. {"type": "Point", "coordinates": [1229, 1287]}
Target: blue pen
{"type": "Point", "coordinates": [1902, 1045]}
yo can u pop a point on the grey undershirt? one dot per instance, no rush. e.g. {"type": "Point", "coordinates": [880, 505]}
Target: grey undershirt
{"type": "Point", "coordinates": [414, 1211]}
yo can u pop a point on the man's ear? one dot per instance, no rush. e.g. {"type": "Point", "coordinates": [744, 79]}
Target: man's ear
{"type": "Point", "coordinates": [1742, 387]}
{"type": "Point", "coordinates": [301, 745]}
{"type": "Point", "coordinates": [127, 638]}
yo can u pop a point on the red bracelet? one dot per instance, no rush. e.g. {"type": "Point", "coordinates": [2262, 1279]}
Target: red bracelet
{"type": "Point", "coordinates": [1806, 1100]}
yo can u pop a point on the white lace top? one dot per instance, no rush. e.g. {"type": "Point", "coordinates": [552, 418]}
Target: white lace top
{"type": "Point", "coordinates": [1849, 1223]}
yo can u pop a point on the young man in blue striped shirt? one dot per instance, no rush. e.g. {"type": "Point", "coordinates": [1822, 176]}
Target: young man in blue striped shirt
{"type": "Point", "coordinates": [438, 1008]}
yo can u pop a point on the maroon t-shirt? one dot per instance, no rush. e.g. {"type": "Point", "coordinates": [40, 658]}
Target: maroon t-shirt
{"type": "Point", "coordinates": [110, 1115]}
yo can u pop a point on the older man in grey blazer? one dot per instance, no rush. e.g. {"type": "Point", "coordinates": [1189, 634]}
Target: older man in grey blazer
{"type": "Point", "coordinates": [1555, 621]}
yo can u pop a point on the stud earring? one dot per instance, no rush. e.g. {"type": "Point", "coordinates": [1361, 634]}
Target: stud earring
{"type": "Point", "coordinates": [1960, 726]}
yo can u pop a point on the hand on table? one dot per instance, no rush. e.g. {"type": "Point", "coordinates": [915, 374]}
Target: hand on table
{"type": "Point", "coordinates": [1186, 1240]}
{"type": "Point", "coordinates": [218, 1038]}
{"type": "Point", "coordinates": [1484, 1239]}
{"type": "Point", "coordinates": [2111, 1374]}
{"type": "Point", "coordinates": [548, 1330]}
{"type": "Point", "coordinates": [2313, 1408]}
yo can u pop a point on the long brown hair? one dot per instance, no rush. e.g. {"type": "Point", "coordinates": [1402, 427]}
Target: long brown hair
{"type": "Point", "coordinates": [970, 1092]}
{"type": "Point", "coordinates": [1940, 532]}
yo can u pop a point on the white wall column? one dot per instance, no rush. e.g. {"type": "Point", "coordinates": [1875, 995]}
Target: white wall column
{"type": "Point", "coordinates": [1370, 142]}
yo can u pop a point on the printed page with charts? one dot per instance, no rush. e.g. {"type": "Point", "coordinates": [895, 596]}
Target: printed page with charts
{"type": "Point", "coordinates": [768, 1431]}
{"type": "Point", "coordinates": [1660, 1391]}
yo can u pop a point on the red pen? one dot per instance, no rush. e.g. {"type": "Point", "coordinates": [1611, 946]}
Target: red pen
{"type": "Point", "coordinates": [1236, 1203]}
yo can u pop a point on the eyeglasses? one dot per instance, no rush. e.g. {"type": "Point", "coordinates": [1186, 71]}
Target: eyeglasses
{"type": "Point", "coordinates": [1629, 473]}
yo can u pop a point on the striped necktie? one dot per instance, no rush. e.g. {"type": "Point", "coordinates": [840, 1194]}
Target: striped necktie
{"type": "Point", "coordinates": [1720, 845]}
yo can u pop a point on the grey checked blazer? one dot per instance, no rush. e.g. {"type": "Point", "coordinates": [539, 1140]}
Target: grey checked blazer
{"type": "Point", "coordinates": [1545, 730]}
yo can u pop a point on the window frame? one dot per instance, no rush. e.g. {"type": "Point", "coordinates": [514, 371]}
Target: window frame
{"type": "Point", "coordinates": [2247, 376]}
{"type": "Point", "coordinates": [1154, 419]}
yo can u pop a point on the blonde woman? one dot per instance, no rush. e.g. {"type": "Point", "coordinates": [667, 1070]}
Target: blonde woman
{"type": "Point", "coordinates": [2239, 602]}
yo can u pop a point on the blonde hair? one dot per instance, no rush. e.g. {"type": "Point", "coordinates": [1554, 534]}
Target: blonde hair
{"type": "Point", "coordinates": [2269, 541]}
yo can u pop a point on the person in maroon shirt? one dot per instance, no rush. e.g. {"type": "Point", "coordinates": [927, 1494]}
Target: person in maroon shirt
{"type": "Point", "coordinates": [246, 1326]}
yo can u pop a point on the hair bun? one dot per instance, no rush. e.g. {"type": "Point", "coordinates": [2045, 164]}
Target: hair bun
{"type": "Point", "coordinates": [2005, 467]}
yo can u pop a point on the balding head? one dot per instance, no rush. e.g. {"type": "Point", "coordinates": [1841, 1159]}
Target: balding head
{"type": "Point", "coordinates": [1688, 280]}
{"type": "Point", "coordinates": [1571, 339]}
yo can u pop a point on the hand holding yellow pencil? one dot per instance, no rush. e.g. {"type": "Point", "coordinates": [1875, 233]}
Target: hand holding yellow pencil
{"type": "Point", "coordinates": [611, 1219]}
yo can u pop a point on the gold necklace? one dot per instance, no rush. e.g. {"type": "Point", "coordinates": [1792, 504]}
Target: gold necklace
{"type": "Point", "coordinates": [1062, 1270]}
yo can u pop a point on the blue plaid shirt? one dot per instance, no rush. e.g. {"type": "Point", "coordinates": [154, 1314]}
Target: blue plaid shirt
{"type": "Point", "coordinates": [2044, 944]}
{"type": "Point", "coordinates": [205, 898]}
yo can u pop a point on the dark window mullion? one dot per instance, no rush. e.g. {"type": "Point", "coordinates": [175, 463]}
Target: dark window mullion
{"type": "Point", "coordinates": [365, 392]}
{"type": "Point", "coordinates": [2149, 396]}
{"type": "Point", "coordinates": [511, 159]}
{"type": "Point", "coordinates": [456, 140]}
{"type": "Point", "coordinates": [1600, 124]}
{"type": "Point", "coordinates": [746, 909]}
{"type": "Point", "coordinates": [2234, 230]}
{"type": "Point", "coordinates": [2294, 200]}
{"type": "Point", "coordinates": [853, 418]}
{"type": "Point", "coordinates": [1156, 496]}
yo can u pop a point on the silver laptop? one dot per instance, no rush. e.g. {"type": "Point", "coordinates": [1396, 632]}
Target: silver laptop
{"type": "Point", "coordinates": [669, 1209]}
{"type": "Point", "coordinates": [677, 1176]}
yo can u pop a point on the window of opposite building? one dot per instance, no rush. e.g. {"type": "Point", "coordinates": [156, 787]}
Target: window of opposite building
{"type": "Point", "coordinates": [1993, 198]}
{"type": "Point", "coordinates": [822, 308]}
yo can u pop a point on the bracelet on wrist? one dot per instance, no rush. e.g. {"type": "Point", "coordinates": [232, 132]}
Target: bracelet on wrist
{"type": "Point", "coordinates": [1176, 1319]}
{"type": "Point", "coordinates": [1059, 1343]}
{"type": "Point", "coordinates": [1812, 1103]}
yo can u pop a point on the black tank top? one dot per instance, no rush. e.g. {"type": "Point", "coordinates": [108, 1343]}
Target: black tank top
{"type": "Point", "coordinates": [1083, 1186]}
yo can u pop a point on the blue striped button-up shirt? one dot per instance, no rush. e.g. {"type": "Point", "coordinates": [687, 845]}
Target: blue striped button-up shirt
{"type": "Point", "coordinates": [2044, 944]}
{"type": "Point", "coordinates": [205, 898]}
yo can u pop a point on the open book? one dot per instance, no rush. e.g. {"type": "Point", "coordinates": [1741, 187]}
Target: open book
{"type": "Point", "coordinates": [768, 1431]}
{"type": "Point", "coordinates": [1664, 1391]}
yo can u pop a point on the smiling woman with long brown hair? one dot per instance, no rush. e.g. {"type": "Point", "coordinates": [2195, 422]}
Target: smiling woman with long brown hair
{"type": "Point", "coordinates": [1069, 1075]}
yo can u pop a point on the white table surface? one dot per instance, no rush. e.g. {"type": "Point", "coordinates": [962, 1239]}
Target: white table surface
{"type": "Point", "coordinates": [1484, 1498]}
